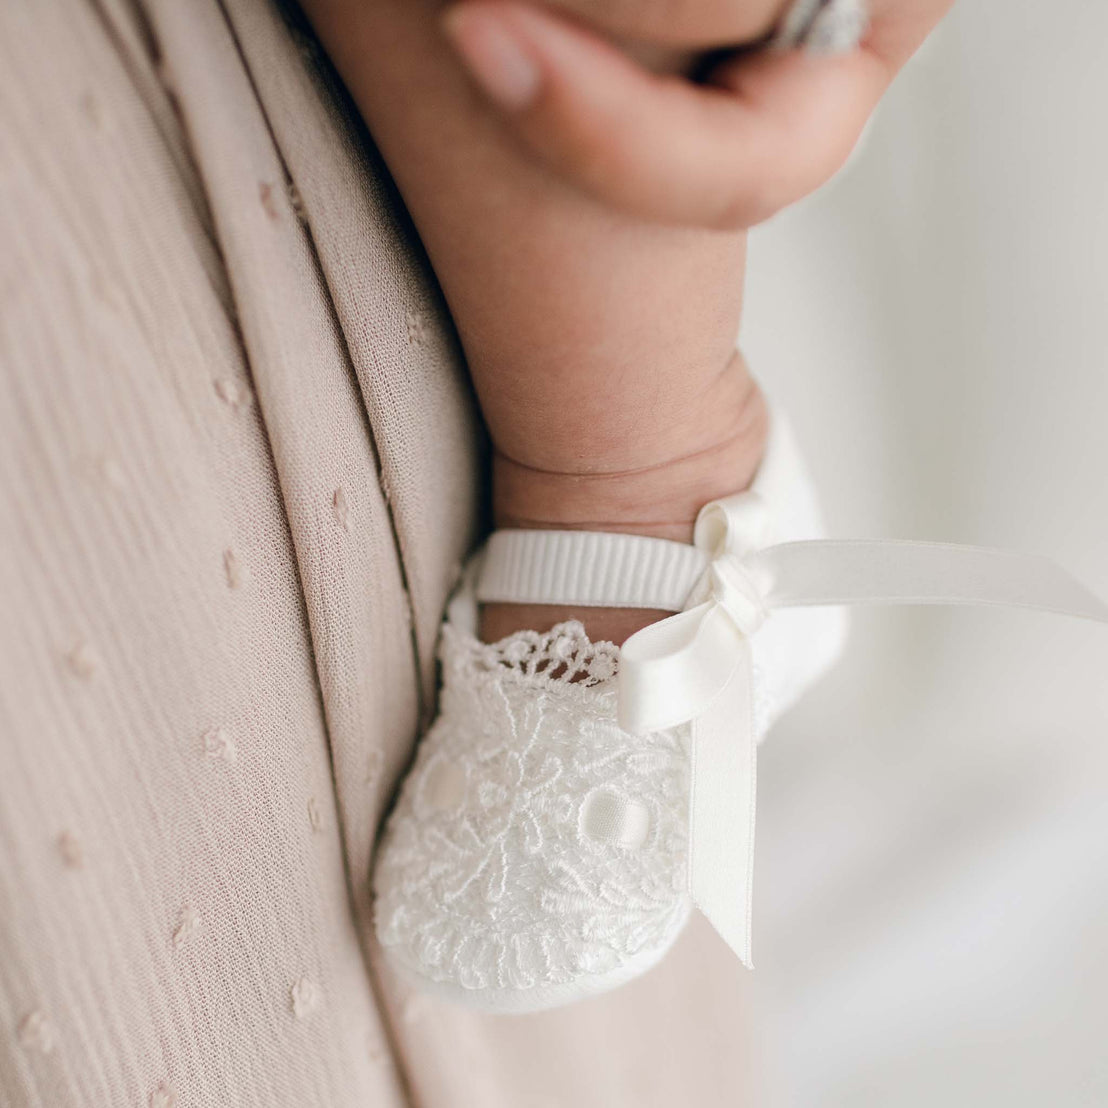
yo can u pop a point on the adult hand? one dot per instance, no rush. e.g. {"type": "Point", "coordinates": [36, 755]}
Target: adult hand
{"type": "Point", "coordinates": [756, 132]}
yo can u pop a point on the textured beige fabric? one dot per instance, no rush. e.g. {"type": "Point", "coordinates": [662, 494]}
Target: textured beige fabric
{"type": "Point", "coordinates": [240, 465]}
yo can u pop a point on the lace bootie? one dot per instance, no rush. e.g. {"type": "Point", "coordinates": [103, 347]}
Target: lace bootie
{"type": "Point", "coordinates": [574, 800]}
{"type": "Point", "coordinates": [539, 851]}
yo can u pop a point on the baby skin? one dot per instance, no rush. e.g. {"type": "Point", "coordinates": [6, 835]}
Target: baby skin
{"type": "Point", "coordinates": [600, 331]}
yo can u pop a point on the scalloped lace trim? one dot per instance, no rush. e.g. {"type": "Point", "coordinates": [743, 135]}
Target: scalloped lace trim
{"type": "Point", "coordinates": [564, 655]}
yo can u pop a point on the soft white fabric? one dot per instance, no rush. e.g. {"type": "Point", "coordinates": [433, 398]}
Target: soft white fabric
{"type": "Point", "coordinates": [932, 869]}
{"type": "Point", "coordinates": [588, 568]}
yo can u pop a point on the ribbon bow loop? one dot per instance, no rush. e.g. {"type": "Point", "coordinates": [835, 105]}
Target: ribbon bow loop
{"type": "Point", "coordinates": [728, 532]}
{"type": "Point", "coordinates": [671, 671]}
{"type": "Point", "coordinates": [738, 524]}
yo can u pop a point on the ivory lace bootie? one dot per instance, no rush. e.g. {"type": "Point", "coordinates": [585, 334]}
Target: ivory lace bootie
{"type": "Point", "coordinates": [539, 851]}
{"type": "Point", "coordinates": [574, 800]}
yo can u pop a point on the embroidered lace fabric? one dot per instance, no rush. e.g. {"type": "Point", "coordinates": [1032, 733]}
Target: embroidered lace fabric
{"type": "Point", "coordinates": [534, 842]}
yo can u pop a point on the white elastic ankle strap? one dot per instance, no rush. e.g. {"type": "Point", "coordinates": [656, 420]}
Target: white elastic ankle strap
{"type": "Point", "coordinates": [589, 569]}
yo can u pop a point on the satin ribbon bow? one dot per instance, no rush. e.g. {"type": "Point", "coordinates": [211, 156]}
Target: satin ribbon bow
{"type": "Point", "coordinates": [695, 667]}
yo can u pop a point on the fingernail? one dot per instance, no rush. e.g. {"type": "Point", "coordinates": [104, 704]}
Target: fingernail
{"type": "Point", "coordinates": [495, 56]}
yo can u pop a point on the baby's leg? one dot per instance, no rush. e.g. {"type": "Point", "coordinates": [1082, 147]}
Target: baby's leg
{"type": "Point", "coordinates": [601, 348]}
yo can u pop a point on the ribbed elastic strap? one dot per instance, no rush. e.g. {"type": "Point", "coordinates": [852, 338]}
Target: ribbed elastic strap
{"type": "Point", "coordinates": [592, 569]}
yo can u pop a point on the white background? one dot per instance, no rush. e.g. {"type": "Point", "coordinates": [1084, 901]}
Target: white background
{"type": "Point", "coordinates": [932, 918]}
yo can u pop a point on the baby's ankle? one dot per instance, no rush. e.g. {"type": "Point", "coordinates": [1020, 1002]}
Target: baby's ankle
{"type": "Point", "coordinates": [650, 480]}
{"type": "Point", "coordinates": [714, 452]}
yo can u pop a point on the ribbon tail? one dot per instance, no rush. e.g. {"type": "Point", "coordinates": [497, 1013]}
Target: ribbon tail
{"type": "Point", "coordinates": [721, 809]}
{"type": "Point", "coordinates": [885, 571]}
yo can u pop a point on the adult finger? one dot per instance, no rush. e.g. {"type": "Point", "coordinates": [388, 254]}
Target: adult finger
{"type": "Point", "coordinates": [766, 130]}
